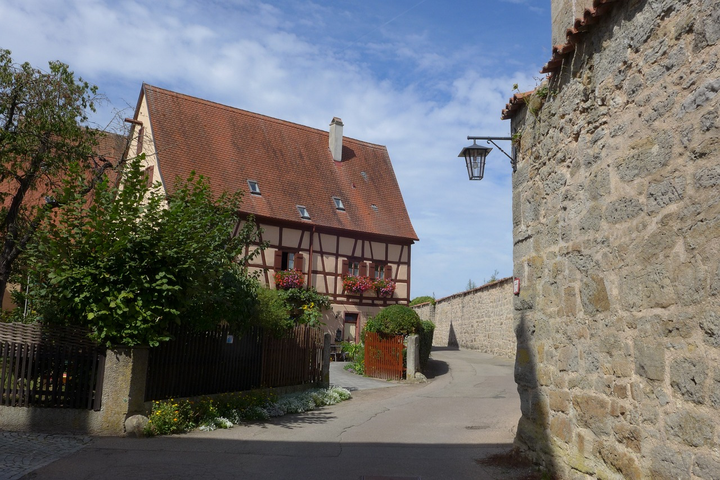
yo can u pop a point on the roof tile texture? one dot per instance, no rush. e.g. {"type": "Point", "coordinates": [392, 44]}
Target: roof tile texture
{"type": "Point", "coordinates": [291, 163]}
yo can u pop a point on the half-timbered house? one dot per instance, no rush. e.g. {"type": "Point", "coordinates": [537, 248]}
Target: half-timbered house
{"type": "Point", "coordinates": [328, 205]}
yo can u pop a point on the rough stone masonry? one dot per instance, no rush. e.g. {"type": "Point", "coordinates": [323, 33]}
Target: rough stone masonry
{"type": "Point", "coordinates": [616, 217]}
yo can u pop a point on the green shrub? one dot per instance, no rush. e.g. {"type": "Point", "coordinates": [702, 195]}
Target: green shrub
{"type": "Point", "coordinates": [395, 320]}
{"type": "Point", "coordinates": [426, 340]}
{"type": "Point", "coordinates": [272, 312]}
{"type": "Point", "coordinates": [423, 299]}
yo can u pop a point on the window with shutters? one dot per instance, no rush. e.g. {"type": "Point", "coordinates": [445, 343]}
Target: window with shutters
{"type": "Point", "coordinates": [353, 267]}
{"type": "Point", "coordinates": [381, 271]}
{"type": "Point", "coordinates": [285, 260]}
{"type": "Point", "coordinates": [288, 261]}
{"type": "Point", "coordinates": [378, 271]}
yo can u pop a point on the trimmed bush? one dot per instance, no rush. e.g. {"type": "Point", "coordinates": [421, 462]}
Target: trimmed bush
{"type": "Point", "coordinates": [395, 320]}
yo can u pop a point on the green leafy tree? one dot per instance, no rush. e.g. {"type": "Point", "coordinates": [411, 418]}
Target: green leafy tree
{"type": "Point", "coordinates": [422, 299]}
{"type": "Point", "coordinates": [134, 261]}
{"type": "Point", "coordinates": [41, 137]}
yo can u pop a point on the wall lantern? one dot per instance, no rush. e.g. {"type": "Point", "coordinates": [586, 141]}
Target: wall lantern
{"type": "Point", "coordinates": [475, 156]}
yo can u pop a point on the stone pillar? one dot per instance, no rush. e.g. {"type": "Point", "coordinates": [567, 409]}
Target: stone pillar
{"type": "Point", "coordinates": [413, 355]}
{"type": "Point", "coordinates": [326, 361]}
{"type": "Point", "coordinates": [123, 387]}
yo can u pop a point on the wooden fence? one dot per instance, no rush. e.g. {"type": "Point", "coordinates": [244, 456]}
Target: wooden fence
{"type": "Point", "coordinates": [45, 366]}
{"type": "Point", "coordinates": [384, 356]}
{"type": "Point", "coordinates": [219, 361]}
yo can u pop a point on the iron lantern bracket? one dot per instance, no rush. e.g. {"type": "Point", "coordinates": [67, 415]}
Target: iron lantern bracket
{"type": "Point", "coordinates": [513, 158]}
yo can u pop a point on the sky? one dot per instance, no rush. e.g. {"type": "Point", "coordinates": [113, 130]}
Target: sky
{"type": "Point", "coordinates": [417, 76]}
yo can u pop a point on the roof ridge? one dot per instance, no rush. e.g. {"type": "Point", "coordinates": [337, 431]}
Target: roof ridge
{"type": "Point", "coordinates": [223, 106]}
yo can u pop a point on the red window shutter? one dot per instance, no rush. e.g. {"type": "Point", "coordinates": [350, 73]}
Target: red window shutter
{"type": "Point", "coordinates": [371, 270]}
{"type": "Point", "coordinates": [344, 269]}
{"type": "Point", "coordinates": [299, 261]}
{"type": "Point", "coordinates": [388, 272]}
{"type": "Point", "coordinates": [278, 260]}
{"type": "Point", "coordinates": [363, 269]}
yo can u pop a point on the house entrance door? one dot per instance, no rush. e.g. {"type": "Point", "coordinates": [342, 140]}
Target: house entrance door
{"type": "Point", "coordinates": [350, 329]}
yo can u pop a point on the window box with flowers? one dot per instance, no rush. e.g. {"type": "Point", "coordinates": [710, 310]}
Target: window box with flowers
{"type": "Point", "coordinates": [357, 284]}
{"type": "Point", "coordinates": [287, 279]}
{"type": "Point", "coordinates": [384, 288]}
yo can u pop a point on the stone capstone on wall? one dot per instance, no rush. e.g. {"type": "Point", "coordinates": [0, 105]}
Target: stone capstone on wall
{"type": "Point", "coordinates": [479, 319]}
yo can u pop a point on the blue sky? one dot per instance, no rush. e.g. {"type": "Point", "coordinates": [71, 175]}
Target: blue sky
{"type": "Point", "coordinates": [415, 76]}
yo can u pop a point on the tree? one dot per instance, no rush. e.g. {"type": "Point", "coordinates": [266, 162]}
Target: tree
{"type": "Point", "coordinates": [134, 261]}
{"type": "Point", "coordinates": [41, 136]}
{"type": "Point", "coordinates": [470, 285]}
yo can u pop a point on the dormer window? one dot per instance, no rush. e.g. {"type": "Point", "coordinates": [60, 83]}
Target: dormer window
{"type": "Point", "coordinates": [254, 188]}
{"type": "Point", "coordinates": [338, 203]}
{"type": "Point", "coordinates": [304, 214]}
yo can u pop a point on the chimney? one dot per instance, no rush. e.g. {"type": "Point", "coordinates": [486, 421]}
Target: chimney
{"type": "Point", "coordinates": [336, 139]}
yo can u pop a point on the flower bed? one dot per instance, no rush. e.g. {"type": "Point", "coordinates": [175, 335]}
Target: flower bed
{"type": "Point", "coordinates": [228, 410]}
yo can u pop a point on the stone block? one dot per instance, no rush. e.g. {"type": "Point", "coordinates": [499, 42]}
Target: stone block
{"type": "Point", "coordinates": [623, 209]}
{"type": "Point", "coordinates": [646, 156]}
{"type": "Point", "coordinates": [706, 466]}
{"type": "Point", "coordinates": [691, 428]}
{"type": "Point", "coordinates": [700, 96]}
{"type": "Point", "coordinates": [621, 390]}
{"type": "Point", "coordinates": [649, 359]}
{"type": "Point", "coordinates": [669, 463]}
{"type": "Point", "coordinates": [667, 192]}
{"type": "Point", "coordinates": [620, 461]}
{"type": "Point", "coordinates": [708, 177]}
{"type": "Point", "coordinates": [568, 359]}
{"type": "Point", "coordinates": [710, 325]}
{"type": "Point", "coordinates": [592, 413]}
{"type": "Point", "coordinates": [689, 284]}
{"type": "Point", "coordinates": [562, 428]}
{"type": "Point", "coordinates": [593, 295]}
{"type": "Point", "coordinates": [629, 435]}
{"type": "Point", "coordinates": [688, 377]}
{"type": "Point", "coordinates": [559, 400]}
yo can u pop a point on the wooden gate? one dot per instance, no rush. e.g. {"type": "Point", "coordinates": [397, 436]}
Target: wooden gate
{"type": "Point", "coordinates": [384, 356]}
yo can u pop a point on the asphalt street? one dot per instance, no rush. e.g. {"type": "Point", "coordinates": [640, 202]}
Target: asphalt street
{"type": "Point", "coordinates": [445, 428]}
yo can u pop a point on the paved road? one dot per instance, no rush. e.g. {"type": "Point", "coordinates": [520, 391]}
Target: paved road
{"type": "Point", "coordinates": [436, 430]}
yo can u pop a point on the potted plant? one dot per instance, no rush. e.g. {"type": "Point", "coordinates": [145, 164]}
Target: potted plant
{"type": "Point", "coordinates": [357, 284]}
{"type": "Point", "coordinates": [384, 288]}
{"type": "Point", "coordinates": [287, 279]}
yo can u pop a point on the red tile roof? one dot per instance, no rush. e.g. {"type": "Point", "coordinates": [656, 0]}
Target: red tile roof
{"type": "Point", "coordinates": [573, 36]}
{"type": "Point", "coordinates": [291, 163]}
{"type": "Point", "coordinates": [516, 103]}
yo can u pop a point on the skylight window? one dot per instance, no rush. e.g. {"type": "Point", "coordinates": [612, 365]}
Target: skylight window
{"type": "Point", "coordinates": [254, 188]}
{"type": "Point", "coordinates": [338, 203]}
{"type": "Point", "coordinates": [303, 212]}
{"type": "Point", "coordinates": [374, 207]}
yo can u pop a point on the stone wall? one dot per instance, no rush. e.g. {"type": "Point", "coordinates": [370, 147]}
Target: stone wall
{"type": "Point", "coordinates": [616, 218]}
{"type": "Point", "coordinates": [479, 319]}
